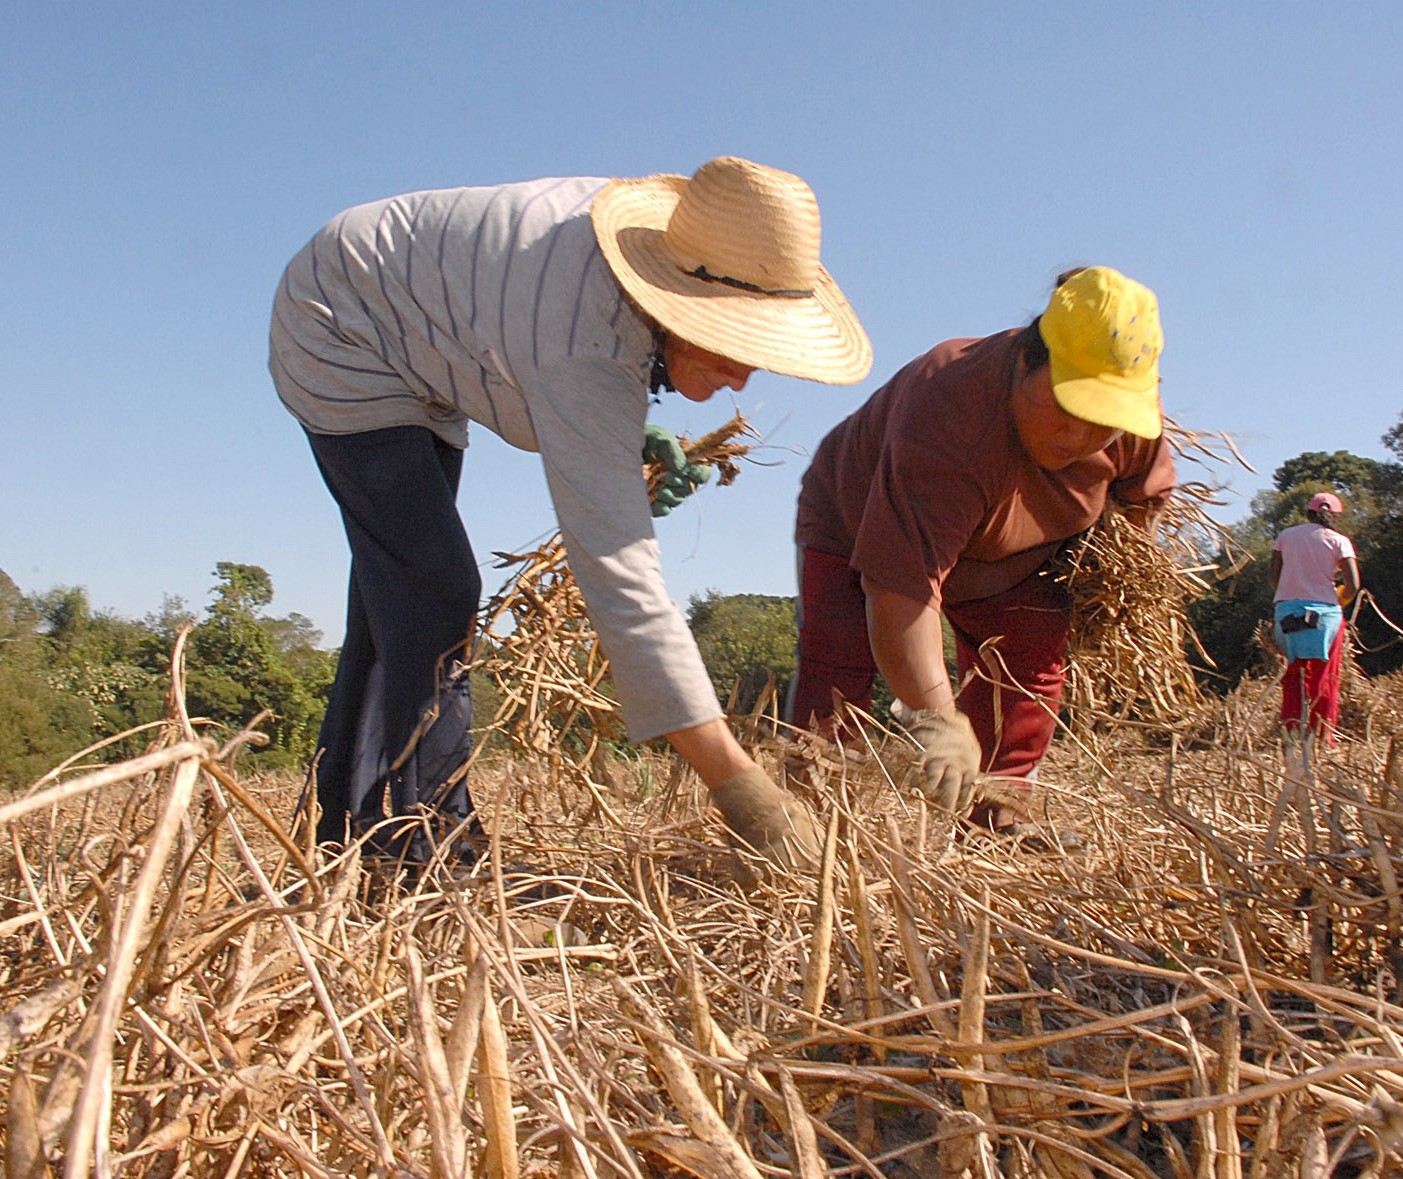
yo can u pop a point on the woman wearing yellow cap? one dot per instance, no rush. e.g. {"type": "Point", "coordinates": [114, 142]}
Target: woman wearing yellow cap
{"type": "Point", "coordinates": [546, 312]}
{"type": "Point", "coordinates": [949, 491]}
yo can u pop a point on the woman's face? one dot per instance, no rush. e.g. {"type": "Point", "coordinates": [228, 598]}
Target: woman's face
{"type": "Point", "coordinates": [1053, 438]}
{"type": "Point", "coordinates": [697, 373]}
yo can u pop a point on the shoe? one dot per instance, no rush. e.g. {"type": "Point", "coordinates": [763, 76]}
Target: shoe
{"type": "Point", "coordinates": [408, 840]}
{"type": "Point", "coordinates": [1024, 836]}
{"type": "Point", "coordinates": [1030, 837]}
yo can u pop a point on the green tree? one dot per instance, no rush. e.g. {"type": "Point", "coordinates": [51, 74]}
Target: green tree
{"type": "Point", "coordinates": [1226, 619]}
{"type": "Point", "coordinates": [241, 663]}
{"type": "Point", "coordinates": [112, 663]}
{"type": "Point", "coordinates": [70, 676]}
{"type": "Point", "coordinates": [1347, 474]}
{"type": "Point", "coordinates": [1393, 439]}
{"type": "Point", "coordinates": [40, 723]}
{"type": "Point", "coordinates": [173, 617]}
{"type": "Point", "coordinates": [1379, 540]}
{"type": "Point", "coordinates": [744, 639]}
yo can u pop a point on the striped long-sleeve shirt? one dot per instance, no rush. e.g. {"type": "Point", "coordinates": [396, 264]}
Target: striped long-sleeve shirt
{"type": "Point", "coordinates": [494, 305]}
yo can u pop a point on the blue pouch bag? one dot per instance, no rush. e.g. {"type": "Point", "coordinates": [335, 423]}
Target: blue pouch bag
{"type": "Point", "coordinates": [1307, 630]}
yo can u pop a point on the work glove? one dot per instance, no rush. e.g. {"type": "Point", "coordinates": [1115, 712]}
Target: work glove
{"type": "Point", "coordinates": [766, 819]}
{"type": "Point", "coordinates": [947, 765]}
{"type": "Point", "coordinates": [679, 478]}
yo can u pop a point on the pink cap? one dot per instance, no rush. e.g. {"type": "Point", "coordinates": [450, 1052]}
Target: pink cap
{"type": "Point", "coordinates": [1323, 499]}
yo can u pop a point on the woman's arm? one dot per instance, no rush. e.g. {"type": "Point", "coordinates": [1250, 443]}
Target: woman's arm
{"type": "Point", "coordinates": [764, 817]}
{"type": "Point", "coordinates": [1152, 478]}
{"type": "Point", "coordinates": [1350, 568]}
{"type": "Point", "coordinates": [712, 750]}
{"type": "Point", "coordinates": [909, 648]}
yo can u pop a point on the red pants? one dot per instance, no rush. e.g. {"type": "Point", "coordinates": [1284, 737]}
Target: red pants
{"type": "Point", "coordinates": [1316, 681]}
{"type": "Point", "coordinates": [1028, 623]}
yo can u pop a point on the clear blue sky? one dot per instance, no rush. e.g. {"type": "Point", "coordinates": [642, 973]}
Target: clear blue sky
{"type": "Point", "coordinates": [159, 163]}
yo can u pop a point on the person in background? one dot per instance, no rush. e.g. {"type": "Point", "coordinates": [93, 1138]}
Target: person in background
{"type": "Point", "coordinates": [1307, 560]}
{"type": "Point", "coordinates": [547, 312]}
{"type": "Point", "coordinates": [950, 491]}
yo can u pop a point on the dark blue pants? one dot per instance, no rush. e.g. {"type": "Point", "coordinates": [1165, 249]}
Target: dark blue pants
{"type": "Point", "coordinates": [398, 723]}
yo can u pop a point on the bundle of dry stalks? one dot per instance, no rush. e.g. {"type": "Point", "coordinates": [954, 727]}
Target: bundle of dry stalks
{"type": "Point", "coordinates": [1131, 588]}
{"type": "Point", "coordinates": [537, 646]}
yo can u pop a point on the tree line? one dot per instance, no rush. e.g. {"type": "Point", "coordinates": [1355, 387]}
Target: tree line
{"type": "Point", "coordinates": [71, 676]}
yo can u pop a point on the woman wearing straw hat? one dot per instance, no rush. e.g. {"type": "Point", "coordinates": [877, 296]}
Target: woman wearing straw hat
{"type": "Point", "coordinates": [1305, 561]}
{"type": "Point", "coordinates": [949, 491]}
{"type": "Point", "coordinates": [546, 312]}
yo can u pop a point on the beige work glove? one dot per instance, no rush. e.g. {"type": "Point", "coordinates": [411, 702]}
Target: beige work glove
{"type": "Point", "coordinates": [768, 820]}
{"type": "Point", "coordinates": [949, 758]}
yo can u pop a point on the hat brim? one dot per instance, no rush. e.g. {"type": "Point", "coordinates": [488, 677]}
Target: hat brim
{"type": "Point", "coordinates": [1132, 406]}
{"type": "Point", "coordinates": [817, 337]}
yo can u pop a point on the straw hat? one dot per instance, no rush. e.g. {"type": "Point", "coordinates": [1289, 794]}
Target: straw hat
{"type": "Point", "coordinates": [728, 260]}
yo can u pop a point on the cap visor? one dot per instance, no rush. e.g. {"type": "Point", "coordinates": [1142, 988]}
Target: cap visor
{"type": "Point", "coordinates": [1101, 401]}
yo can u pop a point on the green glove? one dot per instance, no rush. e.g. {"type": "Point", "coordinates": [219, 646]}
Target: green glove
{"type": "Point", "coordinates": [679, 478]}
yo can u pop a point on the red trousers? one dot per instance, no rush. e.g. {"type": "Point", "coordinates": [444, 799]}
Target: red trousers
{"type": "Point", "coordinates": [1012, 704]}
{"type": "Point", "coordinates": [1314, 685]}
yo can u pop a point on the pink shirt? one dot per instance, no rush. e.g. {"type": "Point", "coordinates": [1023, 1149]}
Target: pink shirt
{"type": "Point", "coordinates": [1310, 554]}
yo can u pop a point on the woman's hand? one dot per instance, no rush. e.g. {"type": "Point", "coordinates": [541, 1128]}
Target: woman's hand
{"type": "Point", "coordinates": [676, 478]}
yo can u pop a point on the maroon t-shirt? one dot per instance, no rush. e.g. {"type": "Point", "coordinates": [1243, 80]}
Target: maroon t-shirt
{"type": "Point", "coordinates": [928, 492]}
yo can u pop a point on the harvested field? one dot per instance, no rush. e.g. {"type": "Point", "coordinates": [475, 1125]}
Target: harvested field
{"type": "Point", "coordinates": [1211, 988]}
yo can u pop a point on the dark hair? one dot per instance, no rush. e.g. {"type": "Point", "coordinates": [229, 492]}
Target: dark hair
{"type": "Point", "coordinates": [1032, 349]}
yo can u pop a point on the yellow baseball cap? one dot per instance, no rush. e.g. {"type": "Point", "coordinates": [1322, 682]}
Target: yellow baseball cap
{"type": "Point", "coordinates": [1103, 341]}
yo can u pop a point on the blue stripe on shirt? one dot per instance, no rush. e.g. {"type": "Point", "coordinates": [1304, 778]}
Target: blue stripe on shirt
{"type": "Point", "coordinates": [541, 285]}
{"type": "Point", "coordinates": [509, 256]}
